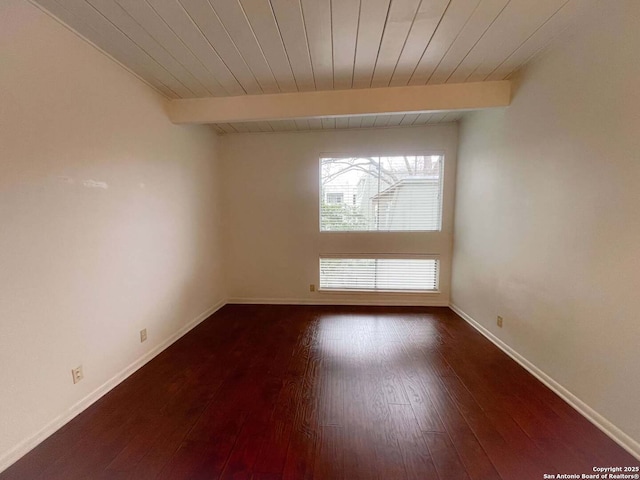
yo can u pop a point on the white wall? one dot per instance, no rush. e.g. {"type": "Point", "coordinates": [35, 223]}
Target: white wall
{"type": "Point", "coordinates": [547, 228]}
{"type": "Point", "coordinates": [271, 191]}
{"type": "Point", "coordinates": [108, 223]}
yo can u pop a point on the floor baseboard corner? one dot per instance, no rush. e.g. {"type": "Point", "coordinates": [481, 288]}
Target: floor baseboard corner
{"type": "Point", "coordinates": [21, 449]}
{"type": "Point", "coordinates": [621, 438]}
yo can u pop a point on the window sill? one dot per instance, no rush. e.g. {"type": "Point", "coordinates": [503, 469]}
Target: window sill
{"type": "Point", "coordinates": [384, 292]}
{"type": "Point", "coordinates": [381, 231]}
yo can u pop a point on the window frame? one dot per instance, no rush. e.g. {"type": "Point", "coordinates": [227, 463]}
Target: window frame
{"type": "Point", "coordinates": [361, 154]}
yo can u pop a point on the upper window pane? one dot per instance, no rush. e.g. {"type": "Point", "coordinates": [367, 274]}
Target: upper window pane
{"type": "Point", "coordinates": [394, 193]}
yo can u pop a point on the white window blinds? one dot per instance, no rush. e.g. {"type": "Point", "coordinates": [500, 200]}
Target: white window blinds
{"type": "Point", "coordinates": [395, 193]}
{"type": "Point", "coordinates": [379, 274]}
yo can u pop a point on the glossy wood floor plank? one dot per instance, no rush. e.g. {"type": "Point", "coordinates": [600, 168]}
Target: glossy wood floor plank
{"type": "Point", "coordinates": [445, 458]}
{"type": "Point", "coordinates": [309, 392]}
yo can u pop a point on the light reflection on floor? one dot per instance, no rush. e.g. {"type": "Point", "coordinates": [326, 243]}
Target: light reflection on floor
{"type": "Point", "coordinates": [369, 367]}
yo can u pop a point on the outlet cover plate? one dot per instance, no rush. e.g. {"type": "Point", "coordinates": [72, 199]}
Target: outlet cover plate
{"type": "Point", "coordinates": [77, 374]}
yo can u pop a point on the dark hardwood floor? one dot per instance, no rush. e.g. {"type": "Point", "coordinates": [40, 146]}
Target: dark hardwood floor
{"type": "Point", "coordinates": [274, 392]}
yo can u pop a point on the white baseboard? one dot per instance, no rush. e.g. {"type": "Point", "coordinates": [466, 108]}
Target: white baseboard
{"type": "Point", "coordinates": [625, 441]}
{"type": "Point", "coordinates": [9, 458]}
{"type": "Point", "coordinates": [399, 302]}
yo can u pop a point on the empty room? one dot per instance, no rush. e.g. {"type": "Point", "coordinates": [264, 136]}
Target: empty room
{"type": "Point", "coordinates": [319, 239]}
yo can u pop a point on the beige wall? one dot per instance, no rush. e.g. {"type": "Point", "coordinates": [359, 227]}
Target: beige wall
{"type": "Point", "coordinates": [547, 230]}
{"type": "Point", "coordinates": [271, 191]}
{"type": "Point", "coordinates": [108, 223]}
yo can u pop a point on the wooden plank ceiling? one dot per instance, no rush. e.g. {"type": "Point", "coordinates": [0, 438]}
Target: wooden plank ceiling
{"type": "Point", "coordinates": [202, 48]}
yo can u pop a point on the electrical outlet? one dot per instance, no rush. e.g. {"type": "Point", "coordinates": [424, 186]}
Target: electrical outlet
{"type": "Point", "coordinates": [143, 335]}
{"type": "Point", "coordinates": [499, 321]}
{"type": "Point", "coordinates": [77, 374]}
{"type": "Point", "coordinates": [312, 288]}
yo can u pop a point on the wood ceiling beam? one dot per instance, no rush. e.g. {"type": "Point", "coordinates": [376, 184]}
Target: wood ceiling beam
{"type": "Point", "coordinates": [337, 103]}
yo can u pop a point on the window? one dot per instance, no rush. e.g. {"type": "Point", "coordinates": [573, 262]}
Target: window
{"type": "Point", "coordinates": [379, 274]}
{"type": "Point", "coordinates": [333, 198]}
{"type": "Point", "coordinates": [393, 193]}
